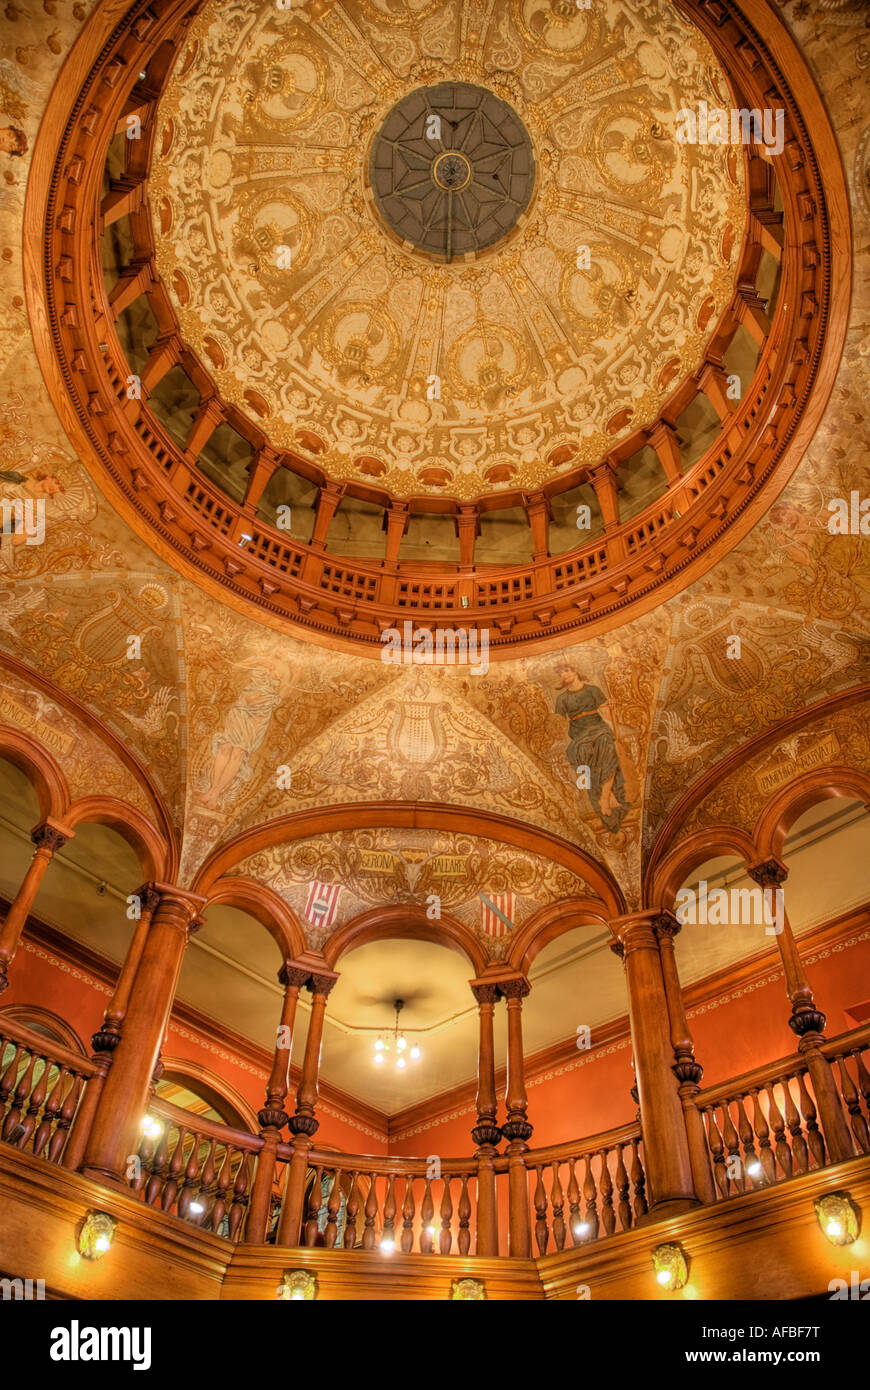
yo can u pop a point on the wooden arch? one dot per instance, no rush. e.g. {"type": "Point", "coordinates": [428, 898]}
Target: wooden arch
{"type": "Point", "coordinates": [788, 804]}
{"type": "Point", "coordinates": [229, 1103]}
{"type": "Point", "coordinates": [549, 922]}
{"type": "Point", "coordinates": [409, 922]}
{"type": "Point", "coordinates": [41, 770]}
{"type": "Point", "coordinates": [143, 838]}
{"type": "Point", "coordinates": [673, 870]}
{"type": "Point", "coordinates": [266, 906]}
{"type": "Point", "coordinates": [413, 815]}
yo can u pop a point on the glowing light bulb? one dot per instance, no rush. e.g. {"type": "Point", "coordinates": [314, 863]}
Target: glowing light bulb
{"type": "Point", "coordinates": [378, 1059]}
{"type": "Point", "coordinates": [401, 1042]}
{"type": "Point", "coordinates": [834, 1229]}
{"type": "Point", "coordinates": [430, 1231]}
{"type": "Point", "coordinates": [400, 1064]}
{"type": "Point", "coordinates": [415, 1053]}
{"type": "Point", "coordinates": [664, 1276]}
{"type": "Point", "coordinates": [753, 1169]}
{"type": "Point", "coordinates": [102, 1243]}
{"type": "Point", "coordinates": [582, 1228]}
{"type": "Point", "coordinates": [151, 1127]}
{"type": "Point", "coordinates": [197, 1208]}
{"type": "Point", "coordinates": [379, 1045]}
{"type": "Point", "coordinates": [388, 1245]}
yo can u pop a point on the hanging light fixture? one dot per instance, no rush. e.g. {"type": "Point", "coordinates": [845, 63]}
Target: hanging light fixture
{"type": "Point", "coordinates": [395, 1042]}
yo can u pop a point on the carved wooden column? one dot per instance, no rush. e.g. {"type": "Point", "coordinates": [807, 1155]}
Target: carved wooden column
{"type": "Point", "coordinates": [686, 1068]}
{"type": "Point", "coordinates": [486, 1133]}
{"type": "Point", "coordinates": [114, 1135]}
{"type": "Point", "coordinates": [807, 1021]}
{"type": "Point", "coordinates": [516, 1128]}
{"type": "Point", "coordinates": [273, 1116]}
{"type": "Point", "coordinates": [48, 839]}
{"type": "Point", "coordinates": [665, 1144]}
{"type": "Point", "coordinates": [303, 1124]}
{"type": "Point", "coordinates": [107, 1037]}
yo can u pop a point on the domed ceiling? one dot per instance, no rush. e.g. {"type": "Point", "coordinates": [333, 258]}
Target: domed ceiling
{"type": "Point", "coordinates": [460, 248]}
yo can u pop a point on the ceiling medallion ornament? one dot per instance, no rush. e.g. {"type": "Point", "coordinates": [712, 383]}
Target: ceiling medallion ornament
{"type": "Point", "coordinates": [460, 275]}
{"type": "Point", "coordinates": [452, 170]}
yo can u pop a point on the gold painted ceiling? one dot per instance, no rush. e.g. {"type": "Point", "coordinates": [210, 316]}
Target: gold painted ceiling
{"type": "Point", "coordinates": [427, 377]}
{"type": "Point", "coordinates": [351, 729]}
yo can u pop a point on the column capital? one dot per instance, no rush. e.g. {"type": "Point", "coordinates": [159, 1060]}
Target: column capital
{"type": "Point", "coordinates": [666, 926]}
{"type": "Point", "coordinates": [51, 835]}
{"type": "Point", "coordinates": [149, 897]}
{"type": "Point", "coordinates": [322, 981]}
{"type": "Point", "coordinates": [292, 975]}
{"type": "Point", "coordinates": [484, 991]}
{"type": "Point", "coordinates": [637, 931]}
{"type": "Point", "coordinates": [185, 907]}
{"type": "Point", "coordinates": [513, 987]}
{"type": "Point", "coordinates": [768, 873]}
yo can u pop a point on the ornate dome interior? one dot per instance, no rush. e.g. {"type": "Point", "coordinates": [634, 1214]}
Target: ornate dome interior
{"type": "Point", "coordinates": [419, 312]}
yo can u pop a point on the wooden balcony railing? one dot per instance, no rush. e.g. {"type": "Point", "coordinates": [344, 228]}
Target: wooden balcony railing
{"type": "Point", "coordinates": [761, 1128]}
{"type": "Point", "coordinates": [41, 1088]}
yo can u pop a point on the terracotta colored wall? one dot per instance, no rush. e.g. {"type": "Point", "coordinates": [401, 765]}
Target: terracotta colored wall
{"type": "Point", "coordinates": [40, 978]}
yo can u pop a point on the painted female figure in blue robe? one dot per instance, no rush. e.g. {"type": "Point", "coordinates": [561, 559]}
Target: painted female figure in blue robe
{"type": "Point", "coordinates": [592, 745]}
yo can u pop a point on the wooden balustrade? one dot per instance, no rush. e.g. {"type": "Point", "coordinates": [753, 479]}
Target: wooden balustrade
{"type": "Point", "coordinates": [362, 1202]}
{"type": "Point", "coordinates": [600, 1181]}
{"type": "Point", "coordinates": [763, 1127]}
{"type": "Point", "coordinates": [196, 1169]}
{"type": "Point", "coordinates": [41, 1086]}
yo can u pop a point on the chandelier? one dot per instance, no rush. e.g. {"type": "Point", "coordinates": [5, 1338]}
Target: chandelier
{"type": "Point", "coordinates": [396, 1043]}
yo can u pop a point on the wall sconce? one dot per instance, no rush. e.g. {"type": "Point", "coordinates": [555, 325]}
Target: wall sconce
{"type": "Point", "coordinates": [671, 1266]}
{"type": "Point", "coordinates": [468, 1290]}
{"type": "Point", "coordinates": [838, 1217]}
{"type": "Point", "coordinates": [96, 1235]}
{"type": "Point", "coordinates": [298, 1286]}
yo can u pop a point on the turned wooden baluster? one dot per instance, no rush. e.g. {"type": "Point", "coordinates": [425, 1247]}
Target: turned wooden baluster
{"type": "Point", "coordinates": [863, 1079]}
{"type": "Point", "coordinates": [19, 1099]}
{"type": "Point", "coordinates": [10, 1075]}
{"type": "Point", "coordinates": [333, 1207]}
{"type": "Point", "coordinates": [390, 1209]}
{"type": "Point", "coordinates": [782, 1152]}
{"type": "Point", "coordinates": [605, 1188]}
{"type": "Point", "coordinates": [762, 1134]}
{"type": "Point", "coordinates": [853, 1105]}
{"type": "Point", "coordinates": [371, 1215]}
{"type": "Point", "coordinates": [408, 1212]}
{"type": "Point", "coordinates": [52, 1107]}
{"type": "Point", "coordinates": [67, 1113]}
{"type": "Point", "coordinates": [207, 1183]}
{"type": "Point", "coordinates": [37, 1100]}
{"type": "Point", "coordinates": [240, 1197]}
{"type": "Point", "coordinates": [542, 1235]}
{"type": "Point", "coordinates": [158, 1169]}
{"type": "Point", "coordinates": [808, 1110]}
{"type": "Point", "coordinates": [590, 1197]}
{"type": "Point", "coordinates": [225, 1177]}
{"type": "Point", "coordinates": [445, 1239]}
{"type": "Point", "coordinates": [350, 1212]}
{"type": "Point", "coordinates": [464, 1213]}
{"type": "Point", "coordinates": [557, 1202]}
{"type": "Point", "coordinates": [638, 1181]}
{"type": "Point", "coordinates": [622, 1206]}
{"type": "Point", "coordinates": [735, 1168]}
{"type": "Point", "coordinates": [747, 1140]}
{"type": "Point", "coordinates": [315, 1202]}
{"type": "Point", "coordinates": [427, 1220]}
{"type": "Point", "coordinates": [191, 1176]}
{"type": "Point", "coordinates": [173, 1177]}
{"type": "Point", "coordinates": [717, 1150]}
{"type": "Point", "coordinates": [575, 1219]}
{"type": "Point", "coordinates": [793, 1120]}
